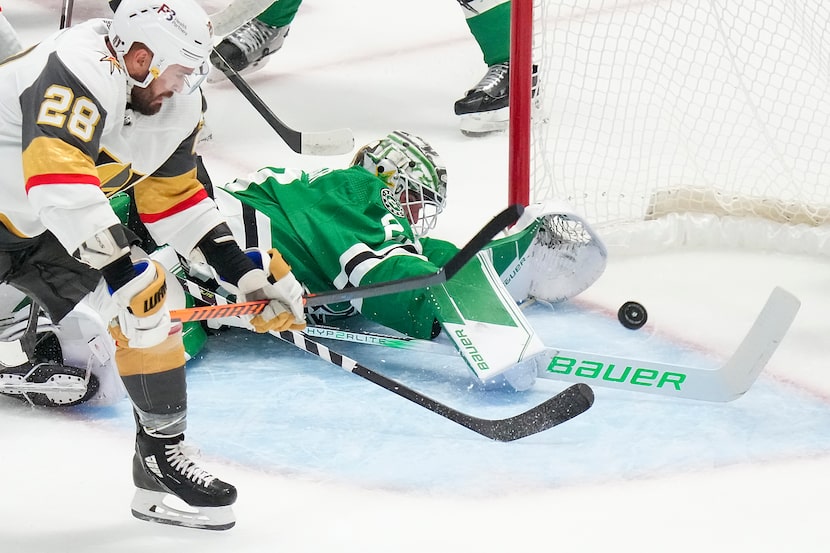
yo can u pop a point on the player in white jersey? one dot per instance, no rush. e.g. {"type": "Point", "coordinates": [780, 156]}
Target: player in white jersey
{"type": "Point", "coordinates": [62, 104]}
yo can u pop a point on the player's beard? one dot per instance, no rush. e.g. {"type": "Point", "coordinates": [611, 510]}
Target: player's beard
{"type": "Point", "coordinates": [146, 101]}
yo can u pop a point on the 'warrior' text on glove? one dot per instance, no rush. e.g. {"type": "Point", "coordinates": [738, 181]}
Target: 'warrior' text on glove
{"type": "Point", "coordinates": [143, 315]}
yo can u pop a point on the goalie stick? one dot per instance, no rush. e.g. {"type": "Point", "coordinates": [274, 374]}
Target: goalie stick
{"type": "Point", "coordinates": [726, 383]}
{"type": "Point", "coordinates": [722, 384]}
{"type": "Point", "coordinates": [504, 219]}
{"type": "Point", "coordinates": [320, 143]}
{"type": "Point", "coordinates": [562, 407]}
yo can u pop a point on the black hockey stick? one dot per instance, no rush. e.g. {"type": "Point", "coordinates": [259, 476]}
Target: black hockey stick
{"type": "Point", "coordinates": [322, 143]}
{"type": "Point", "coordinates": [562, 407]}
{"type": "Point", "coordinates": [28, 341]}
{"type": "Point", "coordinates": [226, 309]}
{"type": "Point", "coordinates": [66, 13]}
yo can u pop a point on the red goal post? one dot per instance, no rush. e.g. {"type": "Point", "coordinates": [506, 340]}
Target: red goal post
{"type": "Point", "coordinates": [676, 122]}
{"type": "Point", "coordinates": [521, 63]}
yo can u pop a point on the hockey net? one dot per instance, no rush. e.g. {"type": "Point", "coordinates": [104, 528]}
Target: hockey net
{"type": "Point", "coordinates": [667, 122]}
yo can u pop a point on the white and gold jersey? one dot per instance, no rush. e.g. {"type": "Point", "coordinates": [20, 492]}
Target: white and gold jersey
{"type": "Point", "coordinates": [61, 103]}
{"type": "Point", "coordinates": [170, 200]}
{"type": "Point", "coordinates": [62, 112]}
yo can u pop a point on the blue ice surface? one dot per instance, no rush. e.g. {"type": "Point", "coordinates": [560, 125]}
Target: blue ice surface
{"type": "Point", "coordinates": [259, 402]}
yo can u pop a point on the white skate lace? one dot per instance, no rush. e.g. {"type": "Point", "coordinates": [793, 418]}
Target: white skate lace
{"type": "Point", "coordinates": [253, 35]}
{"type": "Point", "coordinates": [178, 459]}
{"type": "Point", "coordinates": [495, 74]}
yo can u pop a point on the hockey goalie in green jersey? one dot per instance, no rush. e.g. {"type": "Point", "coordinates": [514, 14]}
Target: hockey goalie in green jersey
{"type": "Point", "coordinates": [365, 224]}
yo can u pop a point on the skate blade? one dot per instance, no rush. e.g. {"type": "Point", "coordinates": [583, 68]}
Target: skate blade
{"type": "Point", "coordinates": [165, 508]}
{"type": "Point", "coordinates": [57, 391]}
{"type": "Point", "coordinates": [484, 122]}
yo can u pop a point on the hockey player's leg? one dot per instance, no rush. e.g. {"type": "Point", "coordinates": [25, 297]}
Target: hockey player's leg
{"type": "Point", "coordinates": [248, 48]}
{"type": "Point", "coordinates": [487, 327]}
{"type": "Point", "coordinates": [485, 107]}
{"type": "Point", "coordinates": [162, 470]}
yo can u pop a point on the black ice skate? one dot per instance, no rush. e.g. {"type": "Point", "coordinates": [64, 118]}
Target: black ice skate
{"type": "Point", "coordinates": [48, 384]}
{"type": "Point", "coordinates": [247, 48]}
{"type": "Point", "coordinates": [485, 107]}
{"type": "Point", "coordinates": [164, 475]}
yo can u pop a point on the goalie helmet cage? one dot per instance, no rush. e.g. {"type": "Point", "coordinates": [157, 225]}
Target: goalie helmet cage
{"type": "Point", "coordinates": [663, 123]}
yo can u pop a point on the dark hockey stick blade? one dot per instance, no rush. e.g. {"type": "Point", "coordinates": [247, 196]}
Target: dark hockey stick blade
{"type": "Point", "coordinates": [564, 406]}
{"type": "Point", "coordinates": [558, 409]}
{"type": "Point", "coordinates": [319, 143]}
{"type": "Point", "coordinates": [501, 221]}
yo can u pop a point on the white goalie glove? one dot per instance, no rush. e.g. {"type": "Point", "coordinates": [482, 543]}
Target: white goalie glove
{"type": "Point", "coordinates": [564, 258]}
{"type": "Point", "coordinates": [278, 284]}
{"type": "Point", "coordinates": [143, 315]}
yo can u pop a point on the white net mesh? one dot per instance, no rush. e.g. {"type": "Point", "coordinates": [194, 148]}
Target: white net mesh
{"type": "Point", "coordinates": [655, 107]}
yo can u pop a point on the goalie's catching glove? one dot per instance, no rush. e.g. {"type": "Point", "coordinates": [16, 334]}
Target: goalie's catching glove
{"type": "Point", "coordinates": [285, 310]}
{"type": "Point", "coordinates": [143, 315]}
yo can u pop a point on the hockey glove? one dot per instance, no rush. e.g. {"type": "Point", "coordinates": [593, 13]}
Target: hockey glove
{"type": "Point", "coordinates": [143, 315]}
{"type": "Point", "coordinates": [285, 311]}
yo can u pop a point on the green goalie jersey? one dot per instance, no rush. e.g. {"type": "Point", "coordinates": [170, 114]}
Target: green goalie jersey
{"type": "Point", "coordinates": [341, 228]}
{"type": "Point", "coordinates": [338, 228]}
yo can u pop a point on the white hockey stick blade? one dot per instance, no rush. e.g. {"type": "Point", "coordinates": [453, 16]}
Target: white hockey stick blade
{"type": "Point", "coordinates": [327, 143]}
{"type": "Point", "coordinates": [335, 142]}
{"type": "Point", "coordinates": [237, 13]}
{"type": "Point", "coordinates": [722, 384]}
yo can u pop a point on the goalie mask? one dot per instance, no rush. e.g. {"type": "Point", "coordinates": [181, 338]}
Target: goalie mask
{"type": "Point", "coordinates": [178, 32]}
{"type": "Point", "coordinates": [415, 173]}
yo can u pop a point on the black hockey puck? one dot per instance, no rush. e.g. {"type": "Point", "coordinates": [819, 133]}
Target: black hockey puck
{"type": "Point", "coordinates": [632, 315]}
